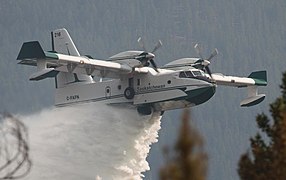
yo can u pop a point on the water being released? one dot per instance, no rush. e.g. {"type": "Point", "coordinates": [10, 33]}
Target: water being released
{"type": "Point", "coordinates": [93, 141]}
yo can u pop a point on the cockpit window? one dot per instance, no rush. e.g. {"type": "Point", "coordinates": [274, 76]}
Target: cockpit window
{"type": "Point", "coordinates": [186, 74]}
{"type": "Point", "coordinates": [190, 74]}
{"type": "Point", "coordinates": [197, 73]}
{"type": "Point", "coordinates": [182, 74]}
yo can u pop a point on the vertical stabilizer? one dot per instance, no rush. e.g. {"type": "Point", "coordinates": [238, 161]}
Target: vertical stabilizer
{"type": "Point", "coordinates": [62, 43]}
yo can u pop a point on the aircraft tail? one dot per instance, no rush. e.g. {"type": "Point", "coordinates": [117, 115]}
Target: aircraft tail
{"type": "Point", "coordinates": [63, 43]}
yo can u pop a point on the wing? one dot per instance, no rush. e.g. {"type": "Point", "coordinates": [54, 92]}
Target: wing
{"type": "Point", "coordinates": [49, 63]}
{"type": "Point", "coordinates": [255, 79]}
{"type": "Point", "coordinates": [258, 78]}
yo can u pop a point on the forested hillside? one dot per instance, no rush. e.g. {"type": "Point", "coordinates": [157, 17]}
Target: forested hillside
{"type": "Point", "coordinates": [250, 35]}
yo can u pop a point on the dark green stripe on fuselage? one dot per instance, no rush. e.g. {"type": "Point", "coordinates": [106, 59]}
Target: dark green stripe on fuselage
{"type": "Point", "coordinates": [201, 95]}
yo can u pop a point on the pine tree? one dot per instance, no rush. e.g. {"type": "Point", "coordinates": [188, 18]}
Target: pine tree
{"type": "Point", "coordinates": [189, 162]}
{"type": "Point", "coordinates": [267, 159]}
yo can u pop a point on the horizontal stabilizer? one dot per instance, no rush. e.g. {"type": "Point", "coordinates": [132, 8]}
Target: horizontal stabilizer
{"type": "Point", "coordinates": [31, 50]}
{"type": "Point", "coordinates": [44, 73]}
{"type": "Point", "coordinates": [251, 101]}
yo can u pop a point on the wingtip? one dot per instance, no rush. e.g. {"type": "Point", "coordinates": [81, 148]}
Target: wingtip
{"type": "Point", "coordinates": [260, 77]}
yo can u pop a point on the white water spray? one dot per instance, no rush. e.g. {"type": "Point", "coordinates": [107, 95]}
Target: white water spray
{"type": "Point", "coordinates": [92, 141]}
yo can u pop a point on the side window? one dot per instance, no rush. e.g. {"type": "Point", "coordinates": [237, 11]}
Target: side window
{"type": "Point", "coordinates": [189, 74]}
{"type": "Point", "coordinates": [186, 74]}
{"type": "Point", "coordinates": [182, 74]}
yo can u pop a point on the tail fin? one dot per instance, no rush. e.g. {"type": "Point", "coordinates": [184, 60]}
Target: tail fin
{"type": "Point", "coordinates": [62, 43]}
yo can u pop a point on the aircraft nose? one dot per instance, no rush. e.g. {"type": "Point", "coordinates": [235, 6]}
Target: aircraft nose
{"type": "Point", "coordinates": [201, 95]}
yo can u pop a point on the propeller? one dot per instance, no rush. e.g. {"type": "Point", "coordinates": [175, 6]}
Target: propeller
{"type": "Point", "coordinates": [141, 44]}
{"type": "Point", "coordinates": [198, 50]}
{"type": "Point", "coordinates": [205, 62]}
{"type": "Point", "coordinates": [158, 45]}
{"type": "Point", "coordinates": [146, 56]}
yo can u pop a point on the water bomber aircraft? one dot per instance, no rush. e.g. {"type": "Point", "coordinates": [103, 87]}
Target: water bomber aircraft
{"type": "Point", "coordinates": [131, 77]}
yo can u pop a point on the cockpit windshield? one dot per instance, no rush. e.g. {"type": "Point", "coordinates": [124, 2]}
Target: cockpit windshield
{"type": "Point", "coordinates": [197, 73]}
{"type": "Point", "coordinates": [190, 74]}
{"type": "Point", "coordinates": [185, 74]}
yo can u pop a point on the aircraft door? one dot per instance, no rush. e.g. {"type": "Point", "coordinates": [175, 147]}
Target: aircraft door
{"type": "Point", "coordinates": [131, 82]}
{"type": "Point", "coordinates": [107, 92]}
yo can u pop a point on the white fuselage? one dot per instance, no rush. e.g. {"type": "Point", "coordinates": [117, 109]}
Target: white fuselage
{"type": "Point", "coordinates": [163, 91]}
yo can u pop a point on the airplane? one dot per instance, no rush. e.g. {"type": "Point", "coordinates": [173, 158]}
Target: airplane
{"type": "Point", "coordinates": [127, 79]}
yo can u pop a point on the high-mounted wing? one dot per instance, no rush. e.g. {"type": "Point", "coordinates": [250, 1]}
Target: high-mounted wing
{"type": "Point", "coordinates": [138, 58]}
{"type": "Point", "coordinates": [251, 82]}
{"type": "Point", "coordinates": [181, 63]}
{"type": "Point", "coordinates": [49, 63]}
{"type": "Point", "coordinates": [255, 79]}
{"type": "Point", "coordinates": [258, 78]}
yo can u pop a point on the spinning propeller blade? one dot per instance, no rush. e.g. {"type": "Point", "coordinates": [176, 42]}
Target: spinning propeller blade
{"type": "Point", "coordinates": [198, 50]}
{"type": "Point", "coordinates": [205, 62]}
{"type": "Point", "coordinates": [208, 71]}
{"type": "Point", "coordinates": [213, 54]}
{"type": "Point", "coordinates": [141, 44]}
{"type": "Point", "coordinates": [154, 64]}
{"type": "Point", "coordinates": [148, 56]}
{"type": "Point", "coordinates": [158, 45]}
